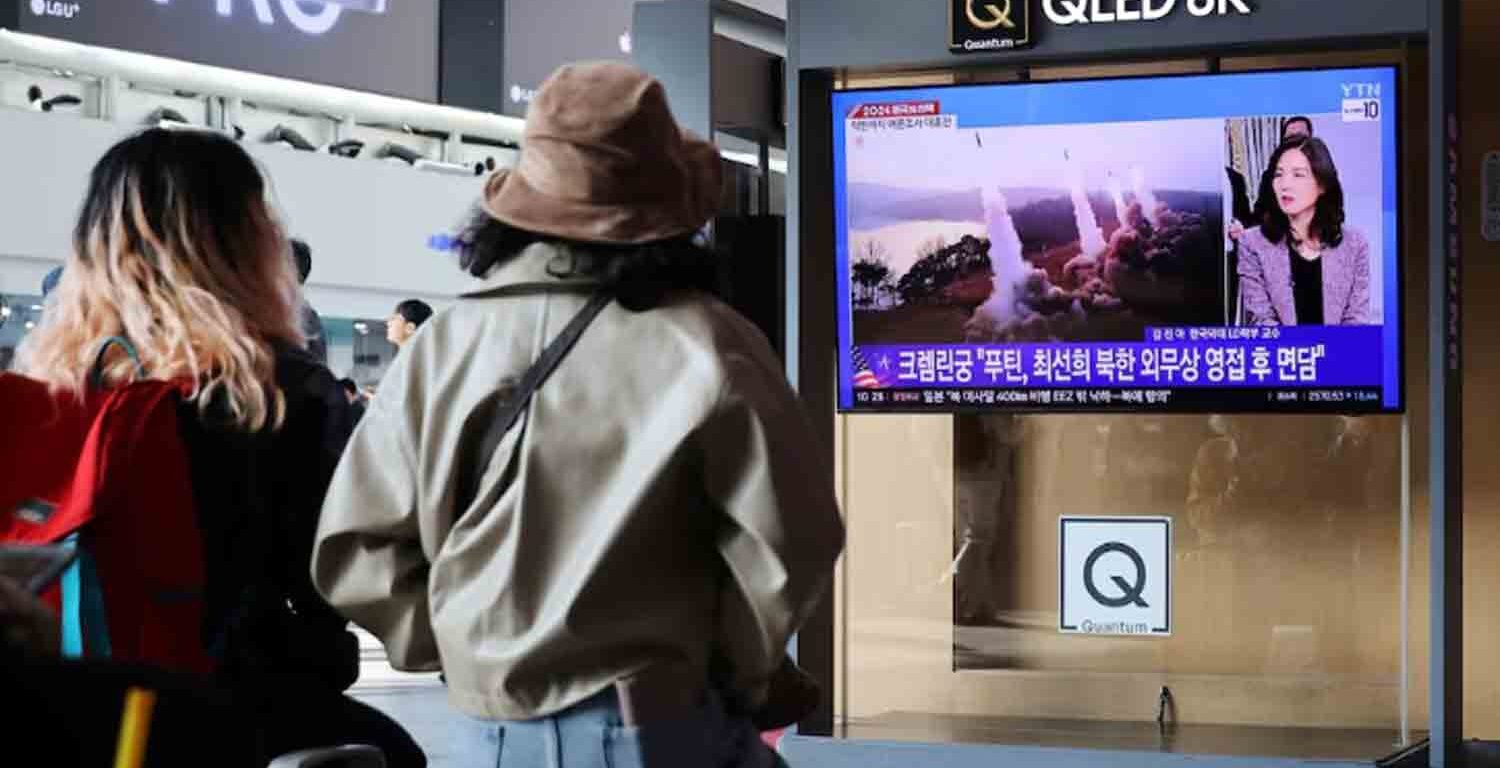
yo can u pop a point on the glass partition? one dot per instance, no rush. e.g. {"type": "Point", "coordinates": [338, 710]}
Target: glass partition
{"type": "Point", "coordinates": [19, 313]}
{"type": "Point", "coordinates": [1283, 577]}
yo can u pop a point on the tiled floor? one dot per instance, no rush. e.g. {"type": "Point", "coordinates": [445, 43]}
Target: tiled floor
{"type": "Point", "coordinates": [1295, 743]}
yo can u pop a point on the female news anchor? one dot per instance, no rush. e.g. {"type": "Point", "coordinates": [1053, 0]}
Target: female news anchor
{"type": "Point", "coordinates": [1302, 266]}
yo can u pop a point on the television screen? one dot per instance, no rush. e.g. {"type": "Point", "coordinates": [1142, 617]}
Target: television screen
{"type": "Point", "coordinates": [1223, 243]}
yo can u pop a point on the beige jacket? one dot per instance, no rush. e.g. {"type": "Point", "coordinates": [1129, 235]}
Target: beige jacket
{"type": "Point", "coordinates": [659, 501]}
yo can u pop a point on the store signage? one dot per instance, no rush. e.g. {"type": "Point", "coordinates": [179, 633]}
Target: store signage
{"type": "Point", "coordinates": [542, 35]}
{"type": "Point", "coordinates": [998, 25]}
{"type": "Point", "coordinates": [1066, 13]}
{"type": "Point", "coordinates": [55, 9]}
{"type": "Point", "coordinates": [988, 25]}
{"type": "Point", "coordinates": [1116, 576]}
{"type": "Point", "coordinates": [323, 16]}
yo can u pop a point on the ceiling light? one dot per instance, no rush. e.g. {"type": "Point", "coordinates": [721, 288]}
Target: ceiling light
{"type": "Point", "coordinates": [750, 159]}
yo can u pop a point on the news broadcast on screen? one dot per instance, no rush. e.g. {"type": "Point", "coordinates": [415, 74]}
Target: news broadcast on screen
{"type": "Point", "coordinates": [1223, 242]}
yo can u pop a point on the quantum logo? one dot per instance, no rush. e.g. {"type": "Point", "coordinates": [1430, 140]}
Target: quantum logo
{"type": "Point", "coordinates": [55, 9]}
{"type": "Point", "coordinates": [998, 17]}
{"type": "Point", "coordinates": [988, 25]}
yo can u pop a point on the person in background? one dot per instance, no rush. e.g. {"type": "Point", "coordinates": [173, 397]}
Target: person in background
{"type": "Point", "coordinates": [356, 398]}
{"type": "Point", "coordinates": [409, 316]}
{"type": "Point", "coordinates": [176, 250]}
{"type": "Point", "coordinates": [49, 283]}
{"type": "Point", "coordinates": [1304, 266]}
{"type": "Point", "coordinates": [312, 324]}
{"type": "Point", "coordinates": [616, 583]}
{"type": "Point", "coordinates": [1246, 216]}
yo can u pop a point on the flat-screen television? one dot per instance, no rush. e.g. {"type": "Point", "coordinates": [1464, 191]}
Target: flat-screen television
{"type": "Point", "coordinates": [1203, 243]}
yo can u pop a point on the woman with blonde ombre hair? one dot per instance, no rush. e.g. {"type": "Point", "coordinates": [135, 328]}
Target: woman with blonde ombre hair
{"type": "Point", "coordinates": [186, 260]}
{"type": "Point", "coordinates": [178, 252]}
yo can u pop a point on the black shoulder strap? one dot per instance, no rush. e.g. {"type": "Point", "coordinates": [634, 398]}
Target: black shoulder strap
{"type": "Point", "coordinates": [512, 406]}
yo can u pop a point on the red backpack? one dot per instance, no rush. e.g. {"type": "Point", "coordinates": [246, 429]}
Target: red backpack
{"type": "Point", "coordinates": [110, 473]}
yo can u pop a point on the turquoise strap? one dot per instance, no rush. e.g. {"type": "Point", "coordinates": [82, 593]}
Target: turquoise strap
{"type": "Point", "coordinates": [72, 609]}
{"type": "Point", "coordinates": [85, 625]}
{"type": "Point", "coordinates": [96, 376]}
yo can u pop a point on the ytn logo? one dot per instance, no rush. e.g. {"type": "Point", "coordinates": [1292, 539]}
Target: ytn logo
{"type": "Point", "coordinates": [57, 10]}
{"type": "Point", "coordinates": [1069, 12]}
{"type": "Point", "coordinates": [313, 23]}
{"type": "Point", "coordinates": [1362, 102]}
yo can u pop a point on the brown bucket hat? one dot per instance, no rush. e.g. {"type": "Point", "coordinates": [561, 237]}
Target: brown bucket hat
{"type": "Point", "coordinates": [603, 161]}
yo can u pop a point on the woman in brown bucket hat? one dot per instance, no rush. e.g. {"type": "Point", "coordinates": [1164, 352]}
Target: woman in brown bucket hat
{"type": "Point", "coordinates": [607, 567]}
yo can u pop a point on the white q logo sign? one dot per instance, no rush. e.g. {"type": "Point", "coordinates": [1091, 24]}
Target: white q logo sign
{"type": "Point", "coordinates": [1076, 11]}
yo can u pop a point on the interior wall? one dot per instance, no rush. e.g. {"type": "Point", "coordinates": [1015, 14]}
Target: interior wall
{"type": "Point", "coordinates": [1480, 60]}
{"type": "Point", "coordinates": [367, 221]}
{"type": "Point", "coordinates": [906, 482]}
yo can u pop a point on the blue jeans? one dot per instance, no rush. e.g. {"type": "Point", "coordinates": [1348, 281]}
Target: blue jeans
{"type": "Point", "coordinates": [590, 734]}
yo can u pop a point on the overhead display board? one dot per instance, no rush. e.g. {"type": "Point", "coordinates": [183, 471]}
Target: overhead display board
{"type": "Point", "coordinates": [383, 46]}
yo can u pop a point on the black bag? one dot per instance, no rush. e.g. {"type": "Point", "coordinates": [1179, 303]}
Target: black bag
{"type": "Point", "coordinates": [270, 640]}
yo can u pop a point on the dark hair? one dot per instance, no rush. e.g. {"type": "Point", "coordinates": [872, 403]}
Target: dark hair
{"type": "Point", "coordinates": [414, 311]}
{"type": "Point", "coordinates": [1305, 120]}
{"type": "Point", "coordinates": [169, 166]}
{"type": "Point", "coordinates": [349, 386]}
{"type": "Point", "coordinates": [1328, 217]}
{"type": "Point", "coordinates": [641, 275]}
{"type": "Point", "coordinates": [302, 254]}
